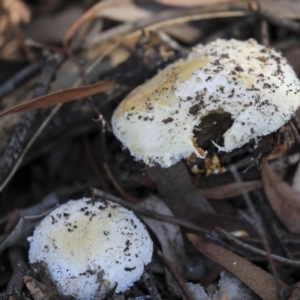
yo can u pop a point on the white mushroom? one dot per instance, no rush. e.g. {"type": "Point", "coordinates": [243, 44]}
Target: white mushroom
{"type": "Point", "coordinates": [80, 241]}
{"type": "Point", "coordinates": [252, 83]}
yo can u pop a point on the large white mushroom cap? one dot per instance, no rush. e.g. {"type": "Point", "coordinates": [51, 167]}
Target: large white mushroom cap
{"type": "Point", "coordinates": [254, 84]}
{"type": "Point", "coordinates": [79, 239]}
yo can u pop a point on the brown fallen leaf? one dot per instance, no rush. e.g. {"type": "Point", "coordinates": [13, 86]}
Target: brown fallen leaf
{"type": "Point", "coordinates": [279, 151]}
{"type": "Point", "coordinates": [17, 11]}
{"type": "Point", "coordinates": [89, 14]}
{"type": "Point", "coordinates": [229, 190]}
{"type": "Point", "coordinates": [169, 236]}
{"type": "Point", "coordinates": [19, 235]}
{"type": "Point", "coordinates": [184, 32]}
{"type": "Point", "coordinates": [60, 97]}
{"type": "Point", "coordinates": [284, 200]}
{"type": "Point", "coordinates": [289, 9]}
{"type": "Point", "coordinates": [258, 280]}
{"type": "Point", "coordinates": [193, 2]}
{"type": "Point", "coordinates": [176, 188]}
{"type": "Point", "coordinates": [281, 8]}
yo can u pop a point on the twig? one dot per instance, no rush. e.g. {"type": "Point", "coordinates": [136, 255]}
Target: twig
{"type": "Point", "coordinates": [275, 20]}
{"type": "Point", "coordinates": [20, 158]}
{"type": "Point", "coordinates": [269, 221]}
{"type": "Point", "coordinates": [45, 289]}
{"type": "Point", "coordinates": [211, 276]}
{"type": "Point", "coordinates": [257, 220]}
{"type": "Point", "coordinates": [150, 285]}
{"type": "Point", "coordinates": [170, 17]}
{"type": "Point", "coordinates": [175, 275]}
{"type": "Point", "coordinates": [117, 186]}
{"type": "Point", "coordinates": [93, 164]}
{"type": "Point", "coordinates": [277, 258]}
{"type": "Point", "coordinates": [265, 34]}
{"type": "Point", "coordinates": [20, 77]}
{"type": "Point", "coordinates": [148, 213]}
{"type": "Point", "coordinates": [45, 47]}
{"type": "Point", "coordinates": [107, 169]}
{"type": "Point", "coordinates": [21, 39]}
{"type": "Point", "coordinates": [17, 143]}
{"type": "Point", "coordinates": [257, 223]}
{"type": "Point", "coordinates": [40, 129]}
{"type": "Point", "coordinates": [294, 131]}
{"type": "Point", "coordinates": [100, 118]}
{"type": "Point", "coordinates": [20, 268]}
{"type": "Point", "coordinates": [213, 236]}
{"type": "Point", "coordinates": [172, 43]}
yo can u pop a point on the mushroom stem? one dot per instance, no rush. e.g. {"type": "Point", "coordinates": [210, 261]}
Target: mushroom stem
{"type": "Point", "coordinates": [175, 186]}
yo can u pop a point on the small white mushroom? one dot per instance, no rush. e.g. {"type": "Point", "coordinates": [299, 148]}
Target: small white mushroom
{"type": "Point", "coordinates": [81, 241]}
{"type": "Point", "coordinates": [252, 83]}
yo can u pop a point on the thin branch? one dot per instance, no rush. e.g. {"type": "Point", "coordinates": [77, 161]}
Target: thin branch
{"type": "Point", "coordinates": [275, 20]}
{"type": "Point", "coordinates": [245, 246]}
{"type": "Point", "coordinates": [20, 77]}
{"type": "Point", "coordinates": [40, 129]}
{"type": "Point", "coordinates": [115, 183]}
{"type": "Point", "coordinates": [93, 164]}
{"type": "Point", "coordinates": [150, 285]}
{"type": "Point", "coordinates": [257, 222]}
{"type": "Point", "coordinates": [148, 213]}
{"type": "Point", "coordinates": [175, 275]}
{"type": "Point", "coordinates": [20, 268]}
{"type": "Point", "coordinates": [265, 33]}
{"type": "Point", "coordinates": [16, 146]}
{"type": "Point", "coordinates": [170, 17]}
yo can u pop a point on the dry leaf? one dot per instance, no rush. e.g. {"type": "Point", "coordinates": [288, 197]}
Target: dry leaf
{"type": "Point", "coordinates": [282, 8]}
{"type": "Point", "coordinates": [19, 235]}
{"type": "Point", "coordinates": [230, 287]}
{"type": "Point", "coordinates": [116, 12]}
{"type": "Point", "coordinates": [183, 32]}
{"type": "Point", "coordinates": [91, 13]}
{"type": "Point", "coordinates": [169, 236]}
{"type": "Point", "coordinates": [184, 199]}
{"type": "Point", "coordinates": [194, 2]}
{"type": "Point", "coordinates": [61, 97]}
{"type": "Point", "coordinates": [229, 190]}
{"type": "Point", "coordinates": [17, 11]}
{"type": "Point", "coordinates": [284, 200]}
{"type": "Point", "coordinates": [258, 280]}
{"type": "Point", "coordinates": [41, 28]}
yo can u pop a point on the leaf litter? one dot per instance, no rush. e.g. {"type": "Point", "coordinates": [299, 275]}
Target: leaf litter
{"type": "Point", "coordinates": [284, 200]}
{"type": "Point", "coordinates": [175, 204]}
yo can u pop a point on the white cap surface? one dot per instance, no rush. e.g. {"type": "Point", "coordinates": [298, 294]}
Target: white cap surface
{"type": "Point", "coordinates": [79, 239]}
{"type": "Point", "coordinates": [254, 84]}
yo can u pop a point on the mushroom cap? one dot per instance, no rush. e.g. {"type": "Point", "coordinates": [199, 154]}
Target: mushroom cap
{"type": "Point", "coordinates": [79, 239]}
{"type": "Point", "coordinates": [254, 84]}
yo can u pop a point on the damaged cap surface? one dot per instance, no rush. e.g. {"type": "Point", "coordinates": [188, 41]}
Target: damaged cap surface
{"type": "Point", "coordinates": [79, 242]}
{"type": "Point", "coordinates": [254, 84]}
